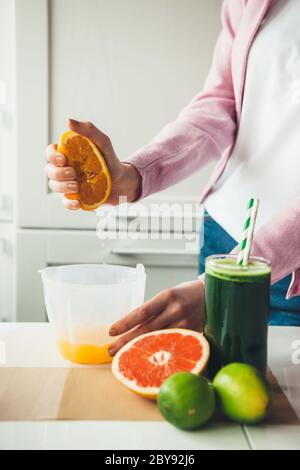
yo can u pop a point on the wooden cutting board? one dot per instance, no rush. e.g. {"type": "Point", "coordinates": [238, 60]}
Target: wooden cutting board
{"type": "Point", "coordinates": [43, 394]}
{"type": "Point", "coordinates": [34, 394]}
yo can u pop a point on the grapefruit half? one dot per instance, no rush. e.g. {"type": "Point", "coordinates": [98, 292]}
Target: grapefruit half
{"type": "Point", "coordinates": [144, 363]}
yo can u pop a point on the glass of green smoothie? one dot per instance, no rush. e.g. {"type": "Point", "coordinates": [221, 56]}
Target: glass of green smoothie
{"type": "Point", "coordinates": [237, 300]}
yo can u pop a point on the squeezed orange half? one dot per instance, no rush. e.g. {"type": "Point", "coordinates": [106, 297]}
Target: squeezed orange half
{"type": "Point", "coordinates": [93, 176]}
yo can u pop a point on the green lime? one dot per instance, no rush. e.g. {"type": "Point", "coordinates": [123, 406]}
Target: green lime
{"type": "Point", "coordinates": [186, 400]}
{"type": "Point", "coordinates": [243, 393]}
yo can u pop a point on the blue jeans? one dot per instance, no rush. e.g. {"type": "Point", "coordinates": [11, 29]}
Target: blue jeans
{"type": "Point", "coordinates": [217, 241]}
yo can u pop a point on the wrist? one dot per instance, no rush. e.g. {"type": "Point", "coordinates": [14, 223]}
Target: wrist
{"type": "Point", "coordinates": [132, 182]}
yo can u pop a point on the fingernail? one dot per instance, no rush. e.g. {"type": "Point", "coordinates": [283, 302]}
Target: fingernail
{"type": "Point", "coordinates": [73, 187]}
{"type": "Point", "coordinates": [60, 161]}
{"type": "Point", "coordinates": [111, 351]}
{"type": "Point", "coordinates": [74, 205]}
{"type": "Point", "coordinates": [69, 173]}
{"type": "Point", "coordinates": [113, 331]}
{"type": "Point", "coordinates": [74, 122]}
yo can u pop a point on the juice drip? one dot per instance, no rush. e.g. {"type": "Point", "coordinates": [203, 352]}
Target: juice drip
{"type": "Point", "coordinates": [88, 346]}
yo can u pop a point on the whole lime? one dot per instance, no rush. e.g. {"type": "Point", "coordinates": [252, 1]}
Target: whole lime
{"type": "Point", "coordinates": [186, 400]}
{"type": "Point", "coordinates": [243, 393]}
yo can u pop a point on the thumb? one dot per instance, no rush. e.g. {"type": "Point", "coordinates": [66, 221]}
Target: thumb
{"type": "Point", "coordinates": [87, 129]}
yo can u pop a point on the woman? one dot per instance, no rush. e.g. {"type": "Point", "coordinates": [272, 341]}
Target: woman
{"type": "Point", "coordinates": [246, 119]}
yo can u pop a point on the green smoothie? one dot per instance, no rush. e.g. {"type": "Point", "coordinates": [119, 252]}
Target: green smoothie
{"type": "Point", "coordinates": [237, 300]}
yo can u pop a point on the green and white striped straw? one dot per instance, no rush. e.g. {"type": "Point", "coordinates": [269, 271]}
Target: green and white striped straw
{"type": "Point", "coordinates": [248, 231]}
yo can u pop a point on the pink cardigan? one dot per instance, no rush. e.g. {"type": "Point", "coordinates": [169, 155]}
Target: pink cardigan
{"type": "Point", "coordinates": [206, 130]}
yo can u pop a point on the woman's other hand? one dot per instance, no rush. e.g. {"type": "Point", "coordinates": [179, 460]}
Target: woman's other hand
{"type": "Point", "coordinates": [178, 307]}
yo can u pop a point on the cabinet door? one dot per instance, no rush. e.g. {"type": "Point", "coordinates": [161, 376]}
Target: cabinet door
{"type": "Point", "coordinates": [7, 272]}
{"type": "Point", "coordinates": [30, 257]}
{"type": "Point", "coordinates": [167, 263]}
{"type": "Point", "coordinates": [7, 115]}
{"type": "Point", "coordinates": [129, 66]}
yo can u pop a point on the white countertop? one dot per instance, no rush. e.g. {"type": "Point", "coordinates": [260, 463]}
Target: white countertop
{"type": "Point", "coordinates": [32, 345]}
